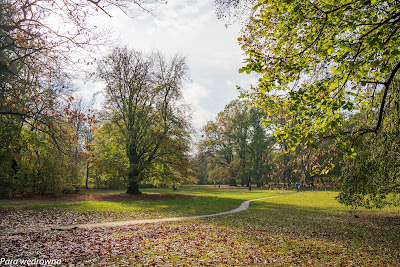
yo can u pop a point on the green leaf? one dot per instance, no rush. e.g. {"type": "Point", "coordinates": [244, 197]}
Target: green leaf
{"type": "Point", "coordinates": [334, 85]}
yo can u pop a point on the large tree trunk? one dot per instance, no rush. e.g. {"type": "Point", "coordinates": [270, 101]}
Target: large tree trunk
{"type": "Point", "coordinates": [134, 172]}
{"type": "Point", "coordinates": [133, 188]}
{"type": "Point", "coordinates": [133, 178]}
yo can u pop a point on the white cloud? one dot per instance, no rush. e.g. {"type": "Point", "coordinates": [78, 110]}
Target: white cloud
{"type": "Point", "coordinates": [190, 28]}
{"type": "Point", "coordinates": [193, 94]}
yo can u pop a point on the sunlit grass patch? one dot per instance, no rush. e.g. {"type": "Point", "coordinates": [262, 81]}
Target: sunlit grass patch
{"type": "Point", "coordinates": [301, 229]}
{"type": "Point", "coordinates": [190, 202]}
{"type": "Point", "coordinates": [313, 226]}
{"type": "Point", "coordinates": [102, 191]}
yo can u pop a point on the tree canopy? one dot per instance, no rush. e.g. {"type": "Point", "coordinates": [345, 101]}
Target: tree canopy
{"type": "Point", "coordinates": [320, 62]}
{"type": "Point", "coordinates": [327, 57]}
{"type": "Point", "coordinates": [40, 123]}
{"type": "Point", "coordinates": [142, 96]}
{"type": "Point", "coordinates": [237, 146]}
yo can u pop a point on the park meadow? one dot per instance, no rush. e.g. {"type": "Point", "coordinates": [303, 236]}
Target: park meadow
{"type": "Point", "coordinates": [307, 228]}
{"type": "Point", "coordinates": [199, 133]}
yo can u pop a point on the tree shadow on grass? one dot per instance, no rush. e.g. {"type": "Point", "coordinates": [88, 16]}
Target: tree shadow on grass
{"type": "Point", "coordinates": [374, 235]}
{"type": "Point", "coordinates": [194, 205]}
{"type": "Point", "coordinates": [110, 209]}
{"type": "Point", "coordinates": [91, 197]}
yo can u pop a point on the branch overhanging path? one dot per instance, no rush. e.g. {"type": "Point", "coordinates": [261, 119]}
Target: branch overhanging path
{"type": "Point", "coordinates": [244, 206]}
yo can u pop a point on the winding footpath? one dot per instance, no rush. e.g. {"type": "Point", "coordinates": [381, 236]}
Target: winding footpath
{"type": "Point", "coordinates": [244, 206]}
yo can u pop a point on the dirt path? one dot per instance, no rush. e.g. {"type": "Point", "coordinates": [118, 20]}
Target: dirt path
{"type": "Point", "coordinates": [244, 206]}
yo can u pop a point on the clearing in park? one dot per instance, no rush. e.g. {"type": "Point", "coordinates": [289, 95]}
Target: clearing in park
{"type": "Point", "coordinates": [305, 228]}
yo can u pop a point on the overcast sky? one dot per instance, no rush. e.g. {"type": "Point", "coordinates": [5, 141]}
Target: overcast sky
{"type": "Point", "coordinates": [190, 28]}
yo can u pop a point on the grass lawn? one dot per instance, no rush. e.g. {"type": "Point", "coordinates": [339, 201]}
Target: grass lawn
{"type": "Point", "coordinates": [185, 202]}
{"type": "Point", "coordinates": [311, 228]}
{"type": "Point", "coordinates": [300, 229]}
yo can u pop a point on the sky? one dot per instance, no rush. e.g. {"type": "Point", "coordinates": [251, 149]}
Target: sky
{"type": "Point", "coordinates": [191, 29]}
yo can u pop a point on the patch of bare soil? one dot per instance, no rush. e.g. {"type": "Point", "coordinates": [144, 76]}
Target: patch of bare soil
{"type": "Point", "coordinates": [91, 197]}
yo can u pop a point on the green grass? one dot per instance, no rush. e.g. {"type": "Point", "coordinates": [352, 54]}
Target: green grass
{"type": "Point", "coordinates": [198, 202]}
{"type": "Point", "coordinates": [300, 229]}
{"type": "Point", "coordinates": [102, 191]}
{"type": "Point", "coordinates": [313, 228]}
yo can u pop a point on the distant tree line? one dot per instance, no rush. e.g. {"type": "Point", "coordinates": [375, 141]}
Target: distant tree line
{"type": "Point", "coordinates": [239, 148]}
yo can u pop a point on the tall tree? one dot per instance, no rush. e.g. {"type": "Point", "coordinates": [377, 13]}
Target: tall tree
{"type": "Point", "coordinates": [260, 147]}
{"type": "Point", "coordinates": [322, 60]}
{"type": "Point", "coordinates": [237, 144]}
{"type": "Point", "coordinates": [39, 40]}
{"type": "Point", "coordinates": [218, 151]}
{"type": "Point", "coordinates": [142, 96]}
{"type": "Point", "coordinates": [31, 42]}
{"type": "Point", "coordinates": [34, 50]}
{"type": "Point", "coordinates": [328, 58]}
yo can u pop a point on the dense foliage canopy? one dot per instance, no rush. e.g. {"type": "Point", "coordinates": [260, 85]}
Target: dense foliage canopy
{"type": "Point", "coordinates": [43, 143]}
{"type": "Point", "coordinates": [320, 62]}
{"type": "Point", "coordinates": [142, 97]}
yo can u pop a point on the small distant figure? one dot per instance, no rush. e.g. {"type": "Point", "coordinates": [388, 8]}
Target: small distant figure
{"type": "Point", "coordinates": [174, 187]}
{"type": "Point", "coordinates": [297, 186]}
{"type": "Point", "coordinates": [219, 186]}
{"type": "Point", "coordinates": [250, 186]}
